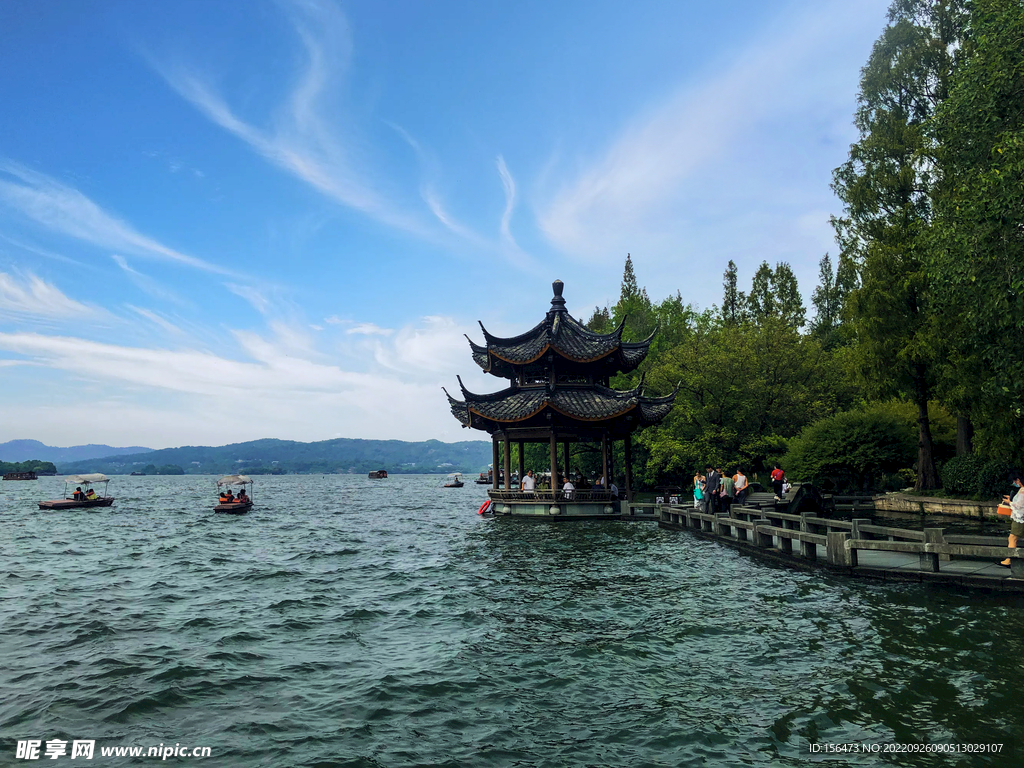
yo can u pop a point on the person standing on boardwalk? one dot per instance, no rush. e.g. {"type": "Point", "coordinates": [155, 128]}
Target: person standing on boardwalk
{"type": "Point", "coordinates": [529, 482]}
{"type": "Point", "coordinates": [1016, 515]}
{"type": "Point", "coordinates": [778, 477]}
{"type": "Point", "coordinates": [698, 489]}
{"type": "Point", "coordinates": [728, 490]}
{"type": "Point", "coordinates": [741, 485]}
{"type": "Point", "coordinates": [712, 488]}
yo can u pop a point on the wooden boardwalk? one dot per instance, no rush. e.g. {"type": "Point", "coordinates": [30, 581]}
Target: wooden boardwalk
{"type": "Point", "coordinates": [855, 547]}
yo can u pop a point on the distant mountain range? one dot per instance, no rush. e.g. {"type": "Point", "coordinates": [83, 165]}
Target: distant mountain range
{"type": "Point", "coordinates": [27, 450]}
{"type": "Point", "coordinates": [342, 455]}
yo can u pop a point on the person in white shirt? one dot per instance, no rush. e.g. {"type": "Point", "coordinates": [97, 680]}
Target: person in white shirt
{"type": "Point", "coordinates": [1016, 517]}
{"type": "Point", "coordinates": [567, 489]}
{"type": "Point", "coordinates": [740, 481]}
{"type": "Point", "coordinates": [529, 482]}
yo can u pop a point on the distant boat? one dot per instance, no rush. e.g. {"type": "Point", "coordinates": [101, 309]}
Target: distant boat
{"type": "Point", "coordinates": [83, 499]}
{"type": "Point", "coordinates": [234, 507]}
{"type": "Point", "coordinates": [454, 480]}
{"type": "Point", "coordinates": [20, 476]}
{"type": "Point", "coordinates": [137, 474]}
{"type": "Point", "coordinates": [379, 474]}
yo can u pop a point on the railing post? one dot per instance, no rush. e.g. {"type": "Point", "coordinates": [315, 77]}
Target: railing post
{"type": "Point", "coordinates": [930, 560]}
{"type": "Point", "coordinates": [761, 538]}
{"type": "Point", "coordinates": [836, 552]}
{"type": "Point", "coordinates": [807, 549]}
{"type": "Point", "coordinates": [721, 528]}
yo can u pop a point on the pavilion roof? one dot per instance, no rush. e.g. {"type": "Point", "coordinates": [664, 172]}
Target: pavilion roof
{"type": "Point", "coordinates": [563, 334]}
{"type": "Point", "coordinates": [586, 404]}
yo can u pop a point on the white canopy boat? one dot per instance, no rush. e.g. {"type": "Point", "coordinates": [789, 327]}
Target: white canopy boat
{"type": "Point", "coordinates": [80, 498]}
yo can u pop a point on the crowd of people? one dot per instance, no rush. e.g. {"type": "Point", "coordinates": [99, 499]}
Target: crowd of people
{"type": "Point", "coordinates": [717, 491]}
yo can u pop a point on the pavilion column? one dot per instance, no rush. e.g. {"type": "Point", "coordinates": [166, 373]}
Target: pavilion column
{"type": "Point", "coordinates": [494, 463]}
{"type": "Point", "coordinates": [554, 462]}
{"type": "Point", "coordinates": [611, 461]}
{"type": "Point", "coordinates": [522, 459]}
{"type": "Point", "coordinates": [565, 447]}
{"type": "Point", "coordinates": [604, 460]}
{"type": "Point", "coordinates": [508, 463]}
{"type": "Point", "coordinates": [627, 450]}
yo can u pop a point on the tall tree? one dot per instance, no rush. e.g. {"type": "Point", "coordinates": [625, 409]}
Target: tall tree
{"type": "Point", "coordinates": [635, 305]}
{"type": "Point", "coordinates": [787, 296]}
{"type": "Point", "coordinates": [886, 188]}
{"type": "Point", "coordinates": [733, 300]}
{"type": "Point", "coordinates": [978, 262]}
{"type": "Point", "coordinates": [829, 297]}
{"type": "Point", "coordinates": [761, 300]}
{"type": "Point", "coordinates": [774, 293]}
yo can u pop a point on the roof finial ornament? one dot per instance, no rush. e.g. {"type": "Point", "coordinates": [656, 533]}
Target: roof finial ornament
{"type": "Point", "coordinates": [557, 303]}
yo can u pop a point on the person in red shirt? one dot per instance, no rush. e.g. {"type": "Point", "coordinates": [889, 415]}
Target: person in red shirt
{"type": "Point", "coordinates": [778, 476]}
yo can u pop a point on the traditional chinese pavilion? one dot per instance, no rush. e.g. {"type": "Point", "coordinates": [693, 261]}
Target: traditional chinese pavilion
{"type": "Point", "coordinates": [558, 392]}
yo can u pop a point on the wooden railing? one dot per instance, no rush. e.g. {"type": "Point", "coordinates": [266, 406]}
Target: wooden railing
{"type": "Point", "coordinates": [841, 539]}
{"type": "Point", "coordinates": [547, 495]}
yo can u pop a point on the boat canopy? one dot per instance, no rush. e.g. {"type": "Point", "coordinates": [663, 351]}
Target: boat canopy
{"type": "Point", "coordinates": [234, 480]}
{"type": "Point", "coordinates": [454, 476]}
{"type": "Point", "coordinates": [87, 479]}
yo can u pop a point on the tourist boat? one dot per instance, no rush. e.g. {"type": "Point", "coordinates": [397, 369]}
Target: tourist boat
{"type": "Point", "coordinates": [81, 481]}
{"type": "Point", "coordinates": [234, 507]}
{"type": "Point", "coordinates": [454, 480]}
{"type": "Point", "coordinates": [380, 474]}
{"type": "Point", "coordinates": [20, 476]}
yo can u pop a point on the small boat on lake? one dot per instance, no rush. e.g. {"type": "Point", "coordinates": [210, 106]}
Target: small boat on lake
{"type": "Point", "coordinates": [229, 503]}
{"type": "Point", "coordinates": [379, 474]}
{"type": "Point", "coordinates": [20, 476]}
{"type": "Point", "coordinates": [454, 480]}
{"type": "Point", "coordinates": [80, 498]}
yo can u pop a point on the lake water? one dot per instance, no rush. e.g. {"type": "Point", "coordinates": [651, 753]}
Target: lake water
{"type": "Point", "coordinates": [349, 622]}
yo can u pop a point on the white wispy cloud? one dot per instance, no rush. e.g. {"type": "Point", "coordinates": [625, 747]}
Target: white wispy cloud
{"type": "Point", "coordinates": [256, 298]}
{"type": "Point", "coordinates": [303, 140]}
{"type": "Point", "coordinates": [146, 283]}
{"type": "Point", "coordinates": [274, 384]}
{"type": "Point", "coordinates": [369, 329]}
{"type": "Point", "coordinates": [509, 185]}
{"type": "Point", "coordinates": [65, 210]}
{"type": "Point", "coordinates": [679, 163]}
{"type": "Point", "coordinates": [31, 295]}
{"type": "Point", "coordinates": [157, 319]}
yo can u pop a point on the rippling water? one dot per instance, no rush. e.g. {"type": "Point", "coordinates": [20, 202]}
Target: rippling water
{"type": "Point", "coordinates": [348, 622]}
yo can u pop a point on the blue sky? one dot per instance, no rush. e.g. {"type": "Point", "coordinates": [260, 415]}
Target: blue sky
{"type": "Point", "coordinates": [222, 221]}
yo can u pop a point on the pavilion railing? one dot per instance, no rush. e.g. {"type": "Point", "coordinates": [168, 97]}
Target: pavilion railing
{"type": "Point", "coordinates": [547, 495]}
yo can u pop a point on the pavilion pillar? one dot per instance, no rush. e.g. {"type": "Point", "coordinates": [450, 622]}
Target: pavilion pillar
{"type": "Point", "coordinates": [604, 460]}
{"type": "Point", "coordinates": [494, 463]}
{"type": "Point", "coordinates": [522, 459]}
{"type": "Point", "coordinates": [611, 461]}
{"type": "Point", "coordinates": [508, 463]}
{"type": "Point", "coordinates": [627, 450]}
{"type": "Point", "coordinates": [554, 461]}
{"type": "Point", "coordinates": [565, 447]}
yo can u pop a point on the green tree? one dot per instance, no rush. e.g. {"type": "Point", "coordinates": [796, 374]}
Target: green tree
{"type": "Point", "coordinates": [734, 301]}
{"type": "Point", "coordinates": [635, 305]}
{"type": "Point", "coordinates": [829, 298]}
{"type": "Point", "coordinates": [978, 260]}
{"type": "Point", "coordinates": [886, 187]}
{"type": "Point", "coordinates": [761, 299]}
{"type": "Point", "coordinates": [774, 293]}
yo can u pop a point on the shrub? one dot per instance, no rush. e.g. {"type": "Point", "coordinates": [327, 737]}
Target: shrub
{"type": "Point", "coordinates": [853, 450]}
{"type": "Point", "coordinates": [994, 479]}
{"type": "Point", "coordinates": [961, 475]}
